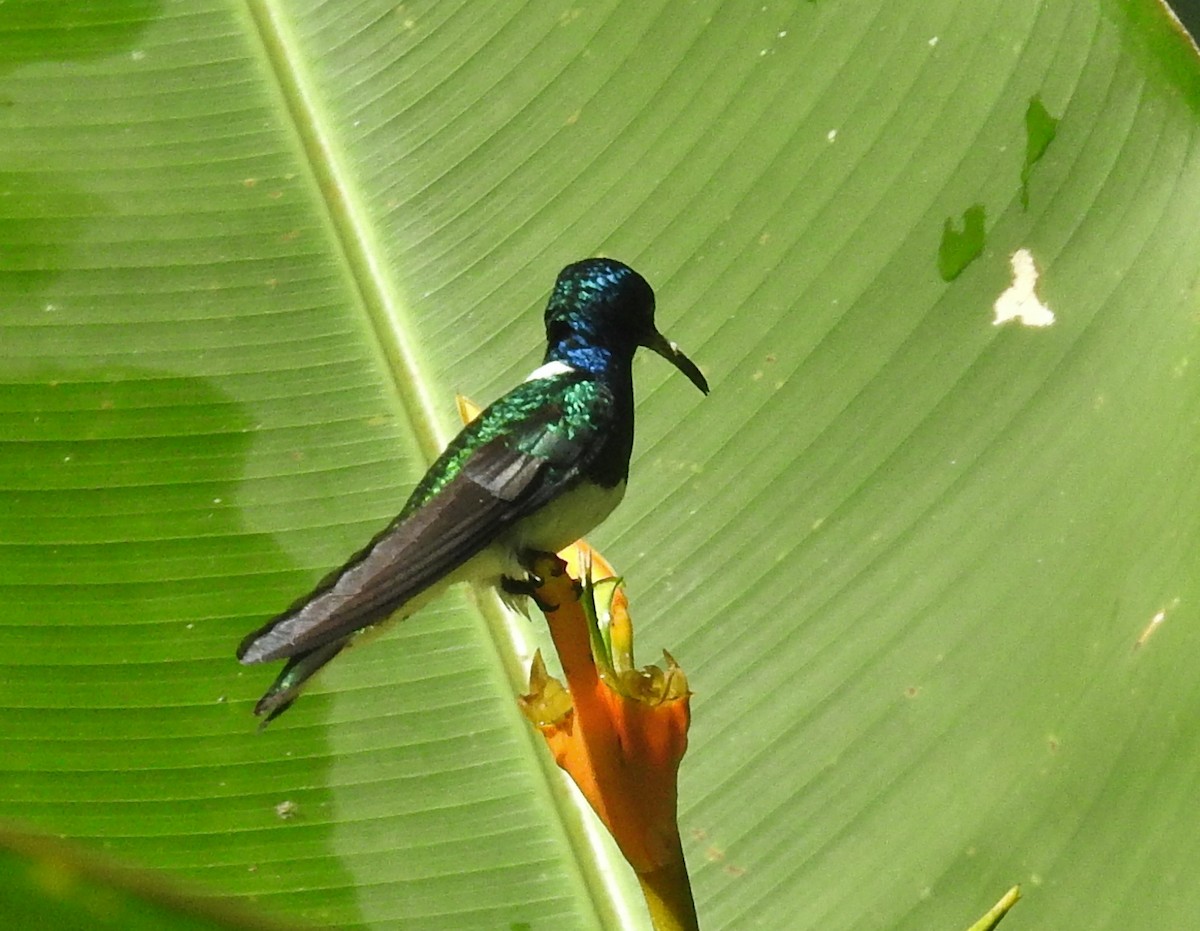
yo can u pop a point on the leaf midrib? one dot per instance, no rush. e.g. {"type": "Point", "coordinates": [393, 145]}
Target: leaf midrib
{"type": "Point", "coordinates": [388, 314]}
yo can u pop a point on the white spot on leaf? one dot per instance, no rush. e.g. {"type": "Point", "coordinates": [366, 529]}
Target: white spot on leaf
{"type": "Point", "coordinates": [1020, 301]}
{"type": "Point", "coordinates": [286, 810]}
{"type": "Point", "coordinates": [1155, 621]}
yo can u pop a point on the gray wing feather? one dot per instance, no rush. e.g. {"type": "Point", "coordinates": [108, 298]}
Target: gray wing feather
{"type": "Point", "coordinates": [496, 486]}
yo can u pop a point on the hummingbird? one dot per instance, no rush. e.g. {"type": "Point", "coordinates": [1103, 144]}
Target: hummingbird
{"type": "Point", "coordinates": [534, 472]}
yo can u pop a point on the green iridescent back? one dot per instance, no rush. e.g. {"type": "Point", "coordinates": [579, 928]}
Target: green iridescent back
{"type": "Point", "coordinates": [536, 417]}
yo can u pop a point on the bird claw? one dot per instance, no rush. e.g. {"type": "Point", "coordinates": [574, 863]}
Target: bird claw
{"type": "Point", "coordinates": [539, 567]}
{"type": "Point", "coordinates": [528, 588]}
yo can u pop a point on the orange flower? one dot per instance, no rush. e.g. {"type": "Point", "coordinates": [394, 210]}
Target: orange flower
{"type": "Point", "coordinates": [618, 731]}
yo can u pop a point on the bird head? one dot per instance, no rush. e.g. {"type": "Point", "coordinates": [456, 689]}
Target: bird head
{"type": "Point", "coordinates": [605, 302]}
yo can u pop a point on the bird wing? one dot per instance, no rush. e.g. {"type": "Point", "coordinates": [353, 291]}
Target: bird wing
{"type": "Point", "coordinates": [507, 470]}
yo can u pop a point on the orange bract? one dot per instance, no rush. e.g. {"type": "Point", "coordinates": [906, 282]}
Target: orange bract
{"type": "Point", "coordinates": [620, 733]}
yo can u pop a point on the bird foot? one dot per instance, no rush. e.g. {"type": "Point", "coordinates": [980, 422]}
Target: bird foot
{"type": "Point", "coordinates": [539, 566]}
{"type": "Point", "coordinates": [529, 589]}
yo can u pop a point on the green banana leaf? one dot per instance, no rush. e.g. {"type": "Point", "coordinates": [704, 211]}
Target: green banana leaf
{"type": "Point", "coordinates": [49, 884]}
{"type": "Point", "coordinates": [932, 578]}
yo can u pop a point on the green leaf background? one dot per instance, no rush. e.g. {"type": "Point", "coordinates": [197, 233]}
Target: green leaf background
{"type": "Point", "coordinates": [910, 560]}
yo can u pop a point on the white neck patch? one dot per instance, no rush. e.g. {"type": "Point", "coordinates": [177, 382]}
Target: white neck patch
{"type": "Point", "coordinates": [550, 369]}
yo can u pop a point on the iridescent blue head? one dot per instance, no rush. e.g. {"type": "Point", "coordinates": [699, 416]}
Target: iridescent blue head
{"type": "Point", "coordinates": [600, 311]}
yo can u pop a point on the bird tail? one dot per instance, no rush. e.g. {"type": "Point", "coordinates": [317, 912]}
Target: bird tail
{"type": "Point", "coordinates": [298, 670]}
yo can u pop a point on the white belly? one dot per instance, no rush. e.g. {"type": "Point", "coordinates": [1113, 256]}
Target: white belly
{"type": "Point", "coordinates": [565, 519]}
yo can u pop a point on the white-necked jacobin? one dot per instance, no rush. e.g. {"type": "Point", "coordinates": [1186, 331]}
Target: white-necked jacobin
{"type": "Point", "coordinates": [532, 473]}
